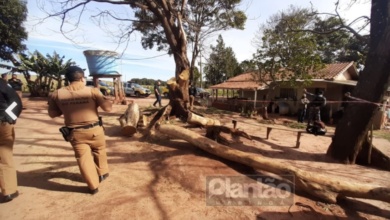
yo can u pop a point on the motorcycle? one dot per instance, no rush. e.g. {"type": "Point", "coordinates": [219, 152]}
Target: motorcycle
{"type": "Point", "coordinates": [315, 125]}
{"type": "Point", "coordinates": [316, 128]}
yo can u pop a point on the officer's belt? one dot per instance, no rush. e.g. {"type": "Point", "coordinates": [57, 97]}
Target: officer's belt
{"type": "Point", "coordinates": [87, 126]}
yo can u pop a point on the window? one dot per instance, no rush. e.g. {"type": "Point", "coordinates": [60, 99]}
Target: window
{"type": "Point", "coordinates": [288, 93]}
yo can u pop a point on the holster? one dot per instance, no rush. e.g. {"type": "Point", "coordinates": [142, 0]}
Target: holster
{"type": "Point", "coordinates": [100, 121]}
{"type": "Point", "coordinates": [65, 131]}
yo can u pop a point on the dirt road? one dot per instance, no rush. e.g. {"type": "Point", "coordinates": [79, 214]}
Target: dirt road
{"type": "Point", "coordinates": [164, 179]}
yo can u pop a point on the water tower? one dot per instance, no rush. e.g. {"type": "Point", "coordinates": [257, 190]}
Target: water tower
{"type": "Point", "coordinates": [104, 64]}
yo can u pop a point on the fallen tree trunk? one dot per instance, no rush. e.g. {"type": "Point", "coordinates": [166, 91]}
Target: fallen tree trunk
{"type": "Point", "coordinates": [322, 186]}
{"type": "Point", "coordinates": [129, 120]}
{"type": "Point", "coordinates": [200, 120]}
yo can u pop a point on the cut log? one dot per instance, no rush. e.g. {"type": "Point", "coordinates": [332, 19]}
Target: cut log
{"type": "Point", "coordinates": [199, 120]}
{"type": "Point", "coordinates": [129, 120]}
{"type": "Point", "coordinates": [325, 187]}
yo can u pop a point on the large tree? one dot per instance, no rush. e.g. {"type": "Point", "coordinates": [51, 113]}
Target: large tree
{"type": "Point", "coordinates": [350, 138]}
{"type": "Point", "coordinates": [222, 63]}
{"type": "Point", "coordinates": [283, 54]}
{"type": "Point", "coordinates": [337, 44]}
{"type": "Point", "coordinates": [166, 24]}
{"type": "Point", "coordinates": [12, 33]}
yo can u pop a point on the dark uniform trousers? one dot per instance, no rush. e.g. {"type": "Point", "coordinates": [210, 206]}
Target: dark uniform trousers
{"type": "Point", "coordinates": [89, 146]}
{"type": "Point", "coordinates": [192, 99]}
{"type": "Point", "coordinates": [8, 180]}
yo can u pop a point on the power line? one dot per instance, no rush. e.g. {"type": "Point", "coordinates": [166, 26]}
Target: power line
{"type": "Point", "coordinates": [147, 58]}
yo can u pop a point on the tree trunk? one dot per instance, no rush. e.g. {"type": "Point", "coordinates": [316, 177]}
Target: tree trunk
{"type": "Point", "coordinates": [352, 129]}
{"type": "Point", "coordinates": [129, 120]}
{"type": "Point", "coordinates": [199, 120]}
{"type": "Point", "coordinates": [325, 187]}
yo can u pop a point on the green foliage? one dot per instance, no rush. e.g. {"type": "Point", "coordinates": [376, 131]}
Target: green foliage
{"type": "Point", "coordinates": [337, 44]}
{"type": "Point", "coordinates": [12, 33]}
{"type": "Point", "coordinates": [248, 65]}
{"type": "Point", "coordinates": [222, 63]}
{"type": "Point", "coordinates": [196, 77]}
{"type": "Point", "coordinates": [284, 52]}
{"type": "Point", "coordinates": [145, 81]}
{"type": "Point", "coordinates": [385, 134]}
{"type": "Point", "coordinates": [200, 18]}
{"type": "Point", "coordinates": [48, 68]}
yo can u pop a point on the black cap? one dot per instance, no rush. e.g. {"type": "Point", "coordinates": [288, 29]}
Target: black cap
{"type": "Point", "coordinates": [73, 69]}
{"type": "Point", "coordinates": [3, 74]}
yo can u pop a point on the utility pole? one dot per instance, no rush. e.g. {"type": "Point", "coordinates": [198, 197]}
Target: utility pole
{"type": "Point", "coordinates": [200, 68]}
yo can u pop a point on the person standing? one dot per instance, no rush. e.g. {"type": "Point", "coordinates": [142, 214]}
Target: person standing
{"type": "Point", "coordinates": [4, 77]}
{"type": "Point", "coordinates": [192, 93]}
{"type": "Point", "coordinates": [83, 127]}
{"type": "Point", "coordinates": [157, 93]}
{"type": "Point", "coordinates": [302, 108]}
{"type": "Point", "coordinates": [316, 104]}
{"type": "Point", "coordinates": [8, 116]}
{"type": "Point", "coordinates": [16, 84]}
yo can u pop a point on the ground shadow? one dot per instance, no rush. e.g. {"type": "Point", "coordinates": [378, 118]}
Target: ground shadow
{"type": "Point", "coordinates": [43, 180]}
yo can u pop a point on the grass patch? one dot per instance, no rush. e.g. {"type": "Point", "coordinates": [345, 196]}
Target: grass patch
{"type": "Point", "coordinates": [295, 125]}
{"type": "Point", "coordinates": [385, 134]}
{"type": "Point", "coordinates": [213, 110]}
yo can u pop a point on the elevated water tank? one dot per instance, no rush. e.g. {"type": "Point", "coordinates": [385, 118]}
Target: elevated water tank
{"type": "Point", "coordinates": [102, 62]}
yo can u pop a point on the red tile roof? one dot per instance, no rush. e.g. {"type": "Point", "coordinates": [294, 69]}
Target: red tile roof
{"type": "Point", "coordinates": [332, 70]}
{"type": "Point", "coordinates": [250, 80]}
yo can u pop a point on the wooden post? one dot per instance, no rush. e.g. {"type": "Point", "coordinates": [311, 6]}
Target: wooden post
{"type": "Point", "coordinates": [298, 139]}
{"type": "Point", "coordinates": [370, 146]}
{"type": "Point", "coordinates": [95, 80]}
{"type": "Point", "coordinates": [268, 131]}
{"type": "Point", "coordinates": [254, 100]}
{"type": "Point", "coordinates": [234, 124]}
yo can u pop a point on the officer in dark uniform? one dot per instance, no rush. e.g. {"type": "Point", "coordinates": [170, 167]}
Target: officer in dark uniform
{"type": "Point", "coordinates": [157, 93]}
{"type": "Point", "coordinates": [4, 77]}
{"type": "Point", "coordinates": [192, 92]}
{"type": "Point", "coordinates": [10, 109]}
{"type": "Point", "coordinates": [16, 84]}
{"type": "Point", "coordinates": [314, 120]}
{"type": "Point", "coordinates": [83, 128]}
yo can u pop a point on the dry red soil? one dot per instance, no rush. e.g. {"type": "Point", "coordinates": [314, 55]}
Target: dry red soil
{"type": "Point", "coordinates": [166, 179]}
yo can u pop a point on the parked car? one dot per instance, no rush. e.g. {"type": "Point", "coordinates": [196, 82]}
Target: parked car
{"type": "Point", "coordinates": [134, 89]}
{"type": "Point", "coordinates": [165, 91]}
{"type": "Point", "coordinates": [202, 93]}
{"type": "Point", "coordinates": [104, 88]}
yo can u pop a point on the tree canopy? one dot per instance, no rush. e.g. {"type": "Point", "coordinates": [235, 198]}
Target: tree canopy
{"type": "Point", "coordinates": [286, 54]}
{"type": "Point", "coordinates": [12, 33]}
{"type": "Point", "coordinates": [222, 63]}
{"type": "Point", "coordinates": [165, 25]}
{"type": "Point", "coordinates": [48, 68]}
{"type": "Point", "coordinates": [337, 44]}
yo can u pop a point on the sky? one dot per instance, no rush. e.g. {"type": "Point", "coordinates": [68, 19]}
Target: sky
{"type": "Point", "coordinates": [137, 62]}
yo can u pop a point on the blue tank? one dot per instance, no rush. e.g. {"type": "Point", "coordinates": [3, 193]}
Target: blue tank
{"type": "Point", "coordinates": [102, 62]}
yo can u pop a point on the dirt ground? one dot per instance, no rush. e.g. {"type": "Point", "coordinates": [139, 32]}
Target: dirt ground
{"type": "Point", "coordinates": [166, 179]}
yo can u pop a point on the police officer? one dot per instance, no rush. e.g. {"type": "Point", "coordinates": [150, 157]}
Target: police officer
{"type": "Point", "coordinates": [316, 104]}
{"type": "Point", "coordinates": [79, 104]}
{"type": "Point", "coordinates": [157, 93]}
{"type": "Point", "coordinates": [192, 93]}
{"type": "Point", "coordinates": [16, 84]}
{"type": "Point", "coordinates": [4, 77]}
{"type": "Point", "coordinates": [10, 109]}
